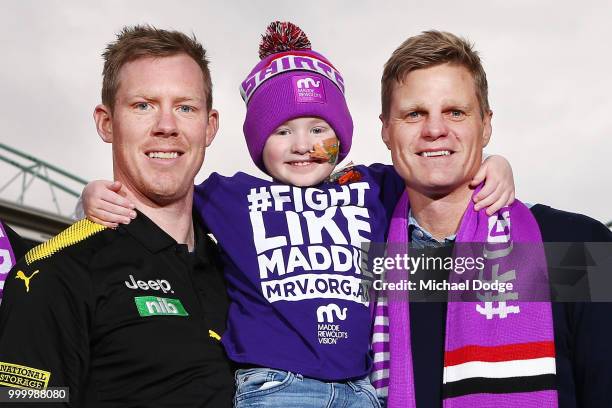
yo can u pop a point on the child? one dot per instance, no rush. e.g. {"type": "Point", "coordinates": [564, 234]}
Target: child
{"type": "Point", "coordinates": [299, 321]}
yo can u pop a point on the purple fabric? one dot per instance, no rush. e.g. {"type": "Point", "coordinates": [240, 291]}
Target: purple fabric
{"type": "Point", "coordinates": [401, 374]}
{"type": "Point", "coordinates": [282, 305]}
{"type": "Point", "coordinates": [7, 258]}
{"type": "Point", "coordinates": [534, 323]}
{"type": "Point", "coordinates": [465, 325]}
{"type": "Point", "coordinates": [538, 399]}
{"type": "Point", "coordinates": [290, 85]}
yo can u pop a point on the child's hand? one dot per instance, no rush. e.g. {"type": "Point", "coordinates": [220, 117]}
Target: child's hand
{"type": "Point", "coordinates": [498, 190]}
{"type": "Point", "coordinates": [103, 205]}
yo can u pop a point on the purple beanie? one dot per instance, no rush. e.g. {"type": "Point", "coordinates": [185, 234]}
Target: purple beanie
{"type": "Point", "coordinates": [292, 81]}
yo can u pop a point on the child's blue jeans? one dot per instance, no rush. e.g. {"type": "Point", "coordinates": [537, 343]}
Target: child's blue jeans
{"type": "Point", "coordinates": [269, 388]}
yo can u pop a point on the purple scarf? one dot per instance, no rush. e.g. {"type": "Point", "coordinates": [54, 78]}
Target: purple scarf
{"type": "Point", "coordinates": [497, 353]}
{"type": "Point", "coordinates": [7, 258]}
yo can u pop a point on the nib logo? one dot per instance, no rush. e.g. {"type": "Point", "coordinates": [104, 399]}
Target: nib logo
{"type": "Point", "coordinates": [157, 306]}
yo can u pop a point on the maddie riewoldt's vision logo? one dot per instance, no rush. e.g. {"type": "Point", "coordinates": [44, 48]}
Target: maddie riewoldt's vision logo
{"type": "Point", "coordinates": [308, 89]}
{"type": "Point", "coordinates": [327, 332]}
{"type": "Point", "coordinates": [308, 83]}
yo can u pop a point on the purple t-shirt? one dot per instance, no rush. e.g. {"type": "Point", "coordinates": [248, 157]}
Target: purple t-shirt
{"type": "Point", "coordinates": [299, 300]}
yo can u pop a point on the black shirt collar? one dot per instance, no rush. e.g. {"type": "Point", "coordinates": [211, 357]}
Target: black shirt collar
{"type": "Point", "coordinates": [149, 234]}
{"type": "Point", "coordinates": [154, 239]}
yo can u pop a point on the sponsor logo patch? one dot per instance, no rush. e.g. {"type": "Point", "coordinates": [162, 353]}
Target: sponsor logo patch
{"type": "Point", "coordinates": [13, 375]}
{"type": "Point", "coordinates": [26, 279]}
{"type": "Point", "coordinates": [157, 284]}
{"type": "Point", "coordinates": [308, 89]}
{"type": "Point", "coordinates": [327, 313]}
{"type": "Point", "coordinates": [214, 335]}
{"type": "Point", "coordinates": [158, 306]}
{"type": "Point", "coordinates": [329, 331]}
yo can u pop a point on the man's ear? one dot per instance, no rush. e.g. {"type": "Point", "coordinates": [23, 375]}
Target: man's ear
{"type": "Point", "coordinates": [213, 126]}
{"type": "Point", "coordinates": [487, 130]}
{"type": "Point", "coordinates": [384, 130]}
{"type": "Point", "coordinates": [103, 117]}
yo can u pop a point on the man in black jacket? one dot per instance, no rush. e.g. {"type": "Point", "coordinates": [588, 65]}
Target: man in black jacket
{"type": "Point", "coordinates": [131, 316]}
{"type": "Point", "coordinates": [436, 121]}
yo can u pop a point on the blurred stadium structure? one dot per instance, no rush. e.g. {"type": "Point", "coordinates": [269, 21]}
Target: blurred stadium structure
{"type": "Point", "coordinates": [26, 194]}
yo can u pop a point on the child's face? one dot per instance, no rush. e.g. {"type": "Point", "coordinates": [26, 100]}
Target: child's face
{"type": "Point", "coordinates": [301, 152]}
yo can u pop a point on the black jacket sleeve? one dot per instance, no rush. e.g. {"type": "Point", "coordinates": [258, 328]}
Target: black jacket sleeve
{"type": "Point", "coordinates": [583, 330]}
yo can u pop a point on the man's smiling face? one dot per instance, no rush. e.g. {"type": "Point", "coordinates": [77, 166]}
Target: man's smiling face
{"type": "Point", "coordinates": [160, 126]}
{"type": "Point", "coordinates": [435, 129]}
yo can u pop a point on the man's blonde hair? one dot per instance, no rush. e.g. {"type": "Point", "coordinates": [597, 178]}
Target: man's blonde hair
{"type": "Point", "coordinates": [429, 49]}
{"type": "Point", "coordinates": [142, 41]}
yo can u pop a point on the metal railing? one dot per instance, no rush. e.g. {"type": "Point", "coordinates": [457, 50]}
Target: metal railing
{"type": "Point", "coordinates": [30, 168]}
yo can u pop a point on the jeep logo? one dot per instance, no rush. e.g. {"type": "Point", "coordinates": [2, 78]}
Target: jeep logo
{"type": "Point", "coordinates": [158, 284]}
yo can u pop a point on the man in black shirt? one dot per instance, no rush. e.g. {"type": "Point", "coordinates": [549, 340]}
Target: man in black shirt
{"type": "Point", "coordinates": [133, 316]}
